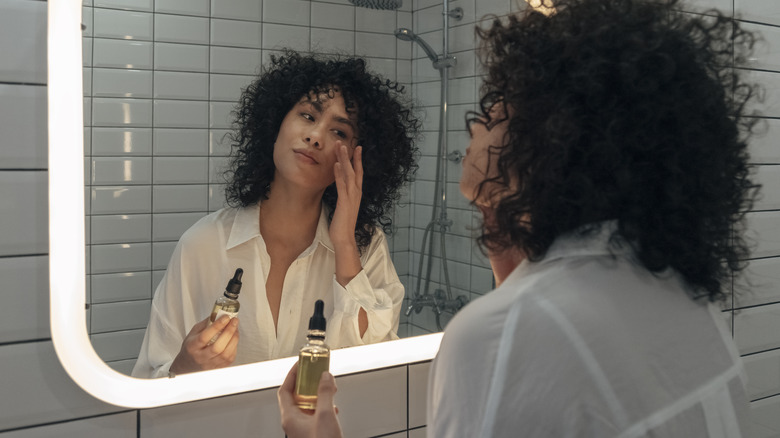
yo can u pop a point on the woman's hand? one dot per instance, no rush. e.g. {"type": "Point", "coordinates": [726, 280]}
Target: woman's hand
{"type": "Point", "coordinates": [349, 183]}
{"type": "Point", "coordinates": [298, 423]}
{"type": "Point", "coordinates": [198, 353]}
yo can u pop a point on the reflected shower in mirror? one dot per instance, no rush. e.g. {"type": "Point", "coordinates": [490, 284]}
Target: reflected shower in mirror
{"type": "Point", "coordinates": [159, 89]}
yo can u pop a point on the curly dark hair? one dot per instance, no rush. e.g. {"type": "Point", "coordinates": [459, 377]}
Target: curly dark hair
{"type": "Point", "coordinates": [386, 125]}
{"type": "Point", "coordinates": [625, 110]}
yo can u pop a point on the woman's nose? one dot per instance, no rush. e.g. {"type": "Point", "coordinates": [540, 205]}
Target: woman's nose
{"type": "Point", "coordinates": [314, 138]}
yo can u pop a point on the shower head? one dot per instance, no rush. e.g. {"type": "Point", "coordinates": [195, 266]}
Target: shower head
{"type": "Point", "coordinates": [388, 5]}
{"type": "Point", "coordinates": [405, 34]}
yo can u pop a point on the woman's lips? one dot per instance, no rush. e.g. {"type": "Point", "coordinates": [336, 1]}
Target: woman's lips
{"type": "Point", "coordinates": [304, 156]}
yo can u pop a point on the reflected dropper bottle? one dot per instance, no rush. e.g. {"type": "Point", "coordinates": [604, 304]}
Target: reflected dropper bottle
{"type": "Point", "coordinates": [313, 360]}
{"type": "Point", "coordinates": [228, 303]}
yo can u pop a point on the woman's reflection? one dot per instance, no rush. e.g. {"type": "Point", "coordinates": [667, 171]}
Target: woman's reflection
{"type": "Point", "coordinates": [321, 149]}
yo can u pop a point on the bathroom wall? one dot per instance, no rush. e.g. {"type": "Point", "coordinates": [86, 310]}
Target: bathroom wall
{"type": "Point", "coordinates": [756, 310]}
{"type": "Point", "coordinates": [39, 399]}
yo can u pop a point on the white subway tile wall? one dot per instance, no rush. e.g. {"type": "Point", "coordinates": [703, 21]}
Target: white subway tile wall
{"type": "Point", "coordinates": [23, 105]}
{"type": "Point", "coordinates": [25, 281]}
{"type": "Point", "coordinates": [186, 7]}
{"type": "Point", "coordinates": [24, 212]}
{"type": "Point", "coordinates": [161, 77]}
{"type": "Point", "coordinates": [23, 45]}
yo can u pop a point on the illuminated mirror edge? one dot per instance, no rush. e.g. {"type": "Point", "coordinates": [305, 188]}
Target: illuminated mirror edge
{"type": "Point", "coordinates": [67, 283]}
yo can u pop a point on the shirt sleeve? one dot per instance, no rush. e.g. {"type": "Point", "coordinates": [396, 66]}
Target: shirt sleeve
{"type": "Point", "coordinates": [174, 310]}
{"type": "Point", "coordinates": [158, 349]}
{"type": "Point", "coordinates": [376, 289]}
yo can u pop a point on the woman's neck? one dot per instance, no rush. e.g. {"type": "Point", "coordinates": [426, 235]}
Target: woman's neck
{"type": "Point", "coordinates": [289, 215]}
{"type": "Point", "coordinates": [504, 262]}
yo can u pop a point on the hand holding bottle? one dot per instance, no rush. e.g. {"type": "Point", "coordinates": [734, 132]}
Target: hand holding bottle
{"type": "Point", "coordinates": [198, 353]}
{"type": "Point", "coordinates": [299, 423]}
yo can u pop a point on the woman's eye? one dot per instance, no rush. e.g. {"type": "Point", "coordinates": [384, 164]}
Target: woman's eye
{"type": "Point", "coordinates": [341, 134]}
{"type": "Point", "coordinates": [307, 116]}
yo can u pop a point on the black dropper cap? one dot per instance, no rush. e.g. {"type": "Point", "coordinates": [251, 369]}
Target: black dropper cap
{"type": "Point", "coordinates": [317, 321]}
{"type": "Point", "coordinates": [234, 285]}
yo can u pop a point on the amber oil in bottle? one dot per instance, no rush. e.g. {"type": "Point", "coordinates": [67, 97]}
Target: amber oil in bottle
{"type": "Point", "coordinates": [228, 303]}
{"type": "Point", "coordinates": [313, 360]}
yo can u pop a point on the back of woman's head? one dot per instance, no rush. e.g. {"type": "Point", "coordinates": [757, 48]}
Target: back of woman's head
{"type": "Point", "coordinates": [624, 110]}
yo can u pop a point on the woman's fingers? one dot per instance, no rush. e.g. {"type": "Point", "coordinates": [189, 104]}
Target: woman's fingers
{"type": "Point", "coordinates": [290, 413]}
{"type": "Point", "coordinates": [285, 393]}
{"type": "Point", "coordinates": [349, 174]}
{"type": "Point", "coordinates": [340, 168]}
{"type": "Point", "coordinates": [326, 414]}
{"type": "Point", "coordinates": [357, 164]}
{"type": "Point", "coordinates": [341, 184]}
{"type": "Point", "coordinates": [226, 347]}
{"type": "Point", "coordinates": [199, 327]}
{"type": "Point", "coordinates": [208, 333]}
{"type": "Point", "coordinates": [199, 353]}
{"type": "Point", "coordinates": [345, 160]}
{"type": "Point", "coordinates": [224, 336]}
{"type": "Point", "coordinates": [325, 392]}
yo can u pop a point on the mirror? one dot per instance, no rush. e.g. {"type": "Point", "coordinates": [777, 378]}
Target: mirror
{"type": "Point", "coordinates": [67, 251]}
{"type": "Point", "coordinates": [159, 89]}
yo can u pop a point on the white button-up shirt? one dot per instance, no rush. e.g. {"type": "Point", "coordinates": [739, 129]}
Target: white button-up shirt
{"type": "Point", "coordinates": [587, 343]}
{"type": "Point", "coordinates": [204, 261]}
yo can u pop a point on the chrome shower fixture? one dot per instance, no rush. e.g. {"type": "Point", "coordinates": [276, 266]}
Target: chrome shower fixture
{"type": "Point", "coordinates": [405, 34]}
{"type": "Point", "coordinates": [387, 5]}
{"type": "Point", "coordinates": [456, 13]}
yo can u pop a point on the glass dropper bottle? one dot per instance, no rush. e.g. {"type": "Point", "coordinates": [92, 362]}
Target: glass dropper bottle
{"type": "Point", "coordinates": [313, 360]}
{"type": "Point", "coordinates": [228, 303]}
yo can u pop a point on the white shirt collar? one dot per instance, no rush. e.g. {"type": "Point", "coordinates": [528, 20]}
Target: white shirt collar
{"type": "Point", "coordinates": [246, 226]}
{"type": "Point", "coordinates": [600, 241]}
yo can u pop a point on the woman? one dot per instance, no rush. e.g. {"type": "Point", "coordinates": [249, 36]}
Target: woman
{"type": "Point", "coordinates": [322, 147]}
{"type": "Point", "coordinates": [609, 161]}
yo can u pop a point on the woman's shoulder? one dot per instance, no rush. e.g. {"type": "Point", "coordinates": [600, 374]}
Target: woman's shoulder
{"type": "Point", "coordinates": [210, 230]}
{"type": "Point", "coordinates": [379, 240]}
{"type": "Point", "coordinates": [378, 236]}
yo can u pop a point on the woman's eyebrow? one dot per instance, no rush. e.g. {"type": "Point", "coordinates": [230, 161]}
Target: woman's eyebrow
{"type": "Point", "coordinates": [345, 121]}
{"type": "Point", "coordinates": [316, 105]}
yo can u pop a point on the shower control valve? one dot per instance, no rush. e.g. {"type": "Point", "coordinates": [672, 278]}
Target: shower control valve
{"type": "Point", "coordinates": [453, 304]}
{"type": "Point", "coordinates": [456, 13]}
{"type": "Point", "coordinates": [444, 223]}
{"type": "Point", "coordinates": [420, 301]}
{"type": "Point", "coordinates": [455, 156]}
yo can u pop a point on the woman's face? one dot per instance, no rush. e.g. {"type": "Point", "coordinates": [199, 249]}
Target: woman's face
{"type": "Point", "coordinates": [482, 154]}
{"type": "Point", "coordinates": [308, 139]}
